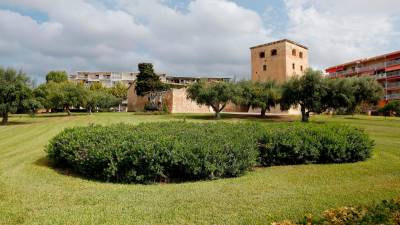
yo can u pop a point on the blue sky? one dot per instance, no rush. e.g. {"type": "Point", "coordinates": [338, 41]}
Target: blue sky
{"type": "Point", "coordinates": [199, 37]}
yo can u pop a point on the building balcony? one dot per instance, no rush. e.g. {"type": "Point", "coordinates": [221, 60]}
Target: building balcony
{"type": "Point", "coordinates": [393, 96]}
{"type": "Point", "coordinates": [393, 62]}
{"type": "Point", "coordinates": [393, 73]}
{"type": "Point", "coordinates": [380, 76]}
{"type": "Point", "coordinates": [393, 85]}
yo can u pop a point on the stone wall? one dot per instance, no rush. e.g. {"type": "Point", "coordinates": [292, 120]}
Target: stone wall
{"type": "Point", "coordinates": [135, 103]}
{"type": "Point", "coordinates": [180, 103]}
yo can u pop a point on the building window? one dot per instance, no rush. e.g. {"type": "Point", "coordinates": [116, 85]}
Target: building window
{"type": "Point", "coordinates": [301, 54]}
{"type": "Point", "coordinates": [262, 54]}
{"type": "Point", "coordinates": [274, 52]}
{"type": "Point", "coordinates": [265, 67]}
{"type": "Point", "coordinates": [301, 68]}
{"type": "Point", "coordinates": [293, 66]}
{"type": "Point", "coordinates": [294, 52]}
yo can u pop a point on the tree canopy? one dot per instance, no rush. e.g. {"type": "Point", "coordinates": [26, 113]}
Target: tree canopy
{"type": "Point", "coordinates": [263, 95]}
{"type": "Point", "coordinates": [147, 81]}
{"type": "Point", "coordinates": [100, 98]}
{"type": "Point", "coordinates": [213, 94]}
{"type": "Point", "coordinates": [14, 92]}
{"type": "Point", "coordinates": [308, 91]}
{"type": "Point", "coordinates": [391, 108]}
{"type": "Point", "coordinates": [119, 90]}
{"type": "Point", "coordinates": [66, 95]}
{"type": "Point", "coordinates": [56, 76]}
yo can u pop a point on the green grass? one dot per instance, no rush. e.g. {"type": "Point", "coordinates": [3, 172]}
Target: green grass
{"type": "Point", "coordinates": [31, 192]}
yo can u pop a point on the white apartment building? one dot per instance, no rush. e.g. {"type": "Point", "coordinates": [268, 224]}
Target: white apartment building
{"type": "Point", "coordinates": [108, 79]}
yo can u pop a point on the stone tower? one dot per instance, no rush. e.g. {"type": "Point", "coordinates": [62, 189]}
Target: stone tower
{"type": "Point", "coordinates": [278, 60]}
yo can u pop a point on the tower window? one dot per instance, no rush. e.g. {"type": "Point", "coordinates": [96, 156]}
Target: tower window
{"type": "Point", "coordinates": [294, 52]}
{"type": "Point", "coordinates": [301, 54]}
{"type": "Point", "coordinates": [262, 54]}
{"type": "Point", "coordinates": [301, 68]}
{"type": "Point", "coordinates": [274, 52]}
{"type": "Point", "coordinates": [293, 66]}
{"type": "Point", "coordinates": [265, 67]}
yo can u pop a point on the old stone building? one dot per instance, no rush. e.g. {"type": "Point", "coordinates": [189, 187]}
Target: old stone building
{"type": "Point", "coordinates": [176, 99]}
{"type": "Point", "coordinates": [278, 60]}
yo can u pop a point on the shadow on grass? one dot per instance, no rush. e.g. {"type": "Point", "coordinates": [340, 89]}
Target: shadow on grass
{"type": "Point", "coordinates": [50, 115]}
{"type": "Point", "coordinates": [45, 162]}
{"type": "Point", "coordinates": [16, 123]}
{"type": "Point", "coordinates": [232, 116]}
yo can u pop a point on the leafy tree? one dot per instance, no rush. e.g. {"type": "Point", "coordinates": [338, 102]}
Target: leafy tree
{"type": "Point", "coordinates": [393, 107]}
{"type": "Point", "coordinates": [308, 91]}
{"type": "Point", "coordinates": [32, 104]}
{"type": "Point", "coordinates": [365, 90]}
{"type": "Point", "coordinates": [340, 95]}
{"type": "Point", "coordinates": [14, 90]}
{"type": "Point", "coordinates": [147, 81]}
{"type": "Point", "coordinates": [258, 95]}
{"type": "Point", "coordinates": [97, 86]}
{"type": "Point", "coordinates": [119, 90]}
{"type": "Point", "coordinates": [66, 95]}
{"type": "Point", "coordinates": [213, 94]}
{"type": "Point", "coordinates": [100, 99]}
{"type": "Point", "coordinates": [57, 76]}
{"type": "Point", "coordinates": [41, 94]}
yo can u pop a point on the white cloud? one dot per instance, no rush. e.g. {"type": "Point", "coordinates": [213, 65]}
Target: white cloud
{"type": "Point", "coordinates": [212, 37]}
{"type": "Point", "coordinates": [205, 37]}
{"type": "Point", "coordinates": [338, 31]}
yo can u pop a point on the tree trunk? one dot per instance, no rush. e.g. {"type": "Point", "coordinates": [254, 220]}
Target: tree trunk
{"type": "Point", "coordinates": [263, 111]}
{"type": "Point", "coordinates": [68, 111]}
{"type": "Point", "coordinates": [218, 115]}
{"type": "Point", "coordinates": [304, 115]}
{"type": "Point", "coordinates": [90, 110]}
{"type": "Point", "coordinates": [4, 121]}
{"type": "Point", "coordinates": [218, 110]}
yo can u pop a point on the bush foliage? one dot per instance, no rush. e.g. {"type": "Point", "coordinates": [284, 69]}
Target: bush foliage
{"type": "Point", "coordinates": [154, 152]}
{"type": "Point", "coordinates": [178, 151]}
{"type": "Point", "coordinates": [304, 144]}
{"type": "Point", "coordinates": [386, 212]}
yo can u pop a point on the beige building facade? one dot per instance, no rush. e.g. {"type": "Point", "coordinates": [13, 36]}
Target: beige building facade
{"type": "Point", "coordinates": [176, 99]}
{"type": "Point", "coordinates": [278, 60]}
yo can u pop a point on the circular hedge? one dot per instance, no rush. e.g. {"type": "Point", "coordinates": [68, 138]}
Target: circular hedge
{"type": "Point", "coordinates": [181, 151]}
{"type": "Point", "coordinates": [156, 152]}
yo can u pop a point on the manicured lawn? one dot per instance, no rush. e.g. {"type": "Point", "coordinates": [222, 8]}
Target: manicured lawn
{"type": "Point", "coordinates": [33, 193]}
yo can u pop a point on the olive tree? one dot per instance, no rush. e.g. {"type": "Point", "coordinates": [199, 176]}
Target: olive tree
{"type": "Point", "coordinates": [66, 95]}
{"type": "Point", "coordinates": [308, 91]}
{"type": "Point", "coordinates": [263, 95]}
{"type": "Point", "coordinates": [100, 99]}
{"type": "Point", "coordinates": [14, 90]}
{"type": "Point", "coordinates": [213, 94]}
{"type": "Point", "coordinates": [56, 76]}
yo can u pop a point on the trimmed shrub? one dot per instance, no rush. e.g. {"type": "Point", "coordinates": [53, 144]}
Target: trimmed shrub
{"type": "Point", "coordinates": [180, 151]}
{"type": "Point", "coordinates": [310, 143]}
{"type": "Point", "coordinates": [154, 152]}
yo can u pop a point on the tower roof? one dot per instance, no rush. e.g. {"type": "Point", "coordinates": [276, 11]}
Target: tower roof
{"type": "Point", "coordinates": [280, 41]}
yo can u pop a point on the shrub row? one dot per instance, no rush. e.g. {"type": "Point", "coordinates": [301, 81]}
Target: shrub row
{"type": "Point", "coordinates": [386, 212]}
{"type": "Point", "coordinates": [178, 151]}
{"type": "Point", "coordinates": [304, 144]}
{"type": "Point", "coordinates": [154, 152]}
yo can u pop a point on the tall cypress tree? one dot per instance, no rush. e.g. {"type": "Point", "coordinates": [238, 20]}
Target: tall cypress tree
{"type": "Point", "coordinates": [147, 81]}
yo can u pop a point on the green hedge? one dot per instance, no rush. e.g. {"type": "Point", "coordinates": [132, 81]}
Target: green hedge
{"type": "Point", "coordinates": [154, 152]}
{"type": "Point", "coordinates": [180, 151]}
{"type": "Point", "coordinates": [311, 143]}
